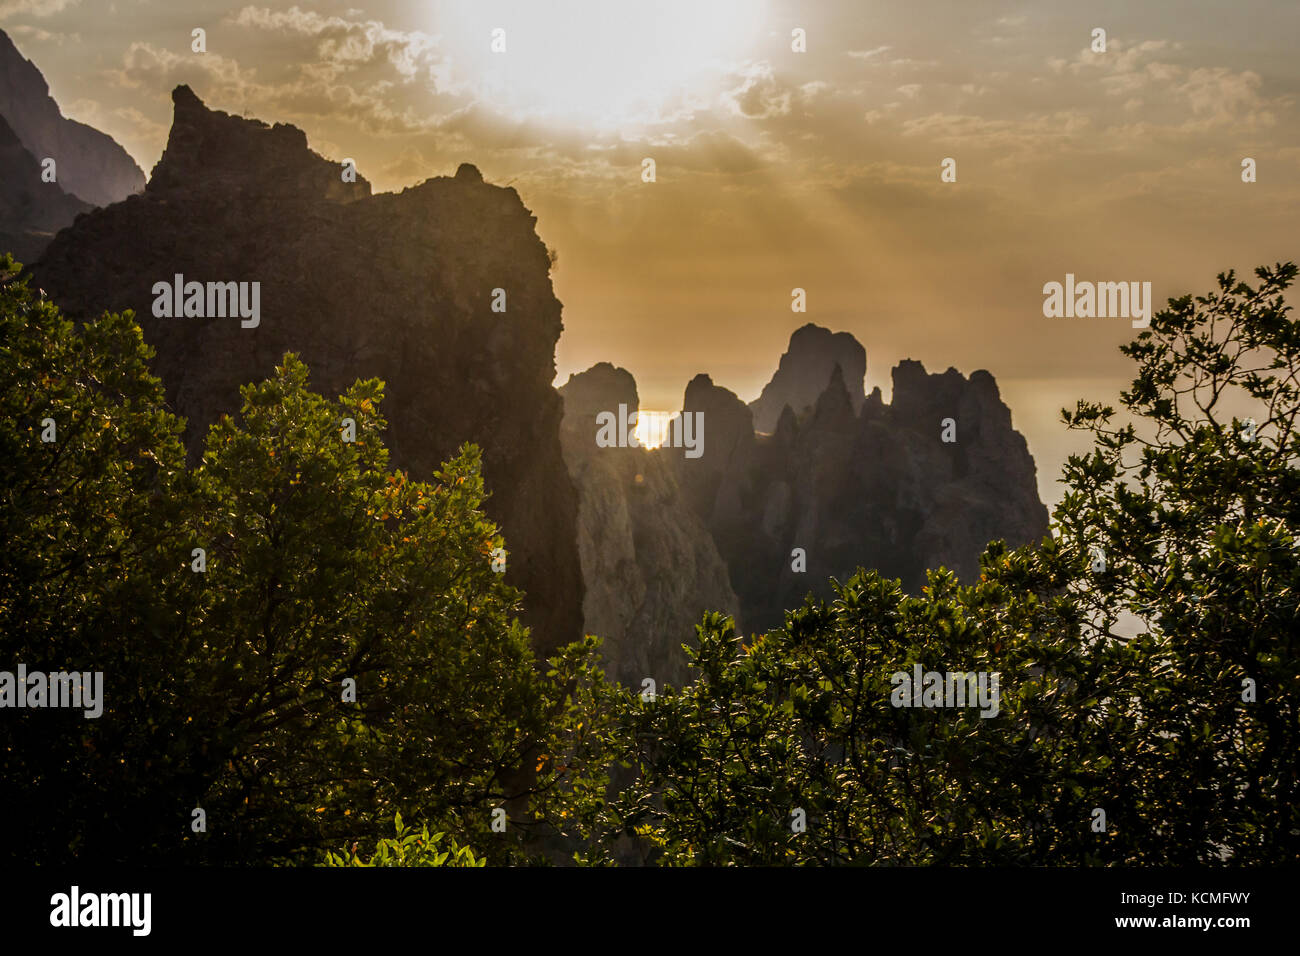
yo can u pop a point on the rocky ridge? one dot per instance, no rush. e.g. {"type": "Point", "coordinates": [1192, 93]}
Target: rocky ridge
{"type": "Point", "coordinates": [650, 565]}
{"type": "Point", "coordinates": [396, 286]}
{"type": "Point", "coordinates": [846, 481]}
{"type": "Point", "coordinates": [90, 164]}
{"type": "Point", "coordinates": [805, 369]}
{"type": "Point", "coordinates": [31, 210]}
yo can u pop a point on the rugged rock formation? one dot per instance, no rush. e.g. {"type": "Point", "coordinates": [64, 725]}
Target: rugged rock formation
{"type": "Point", "coordinates": [711, 479]}
{"type": "Point", "coordinates": [90, 164]}
{"type": "Point", "coordinates": [804, 371]}
{"type": "Point", "coordinates": [650, 566]}
{"type": "Point", "coordinates": [874, 486]}
{"type": "Point", "coordinates": [398, 286]}
{"type": "Point", "coordinates": [849, 482]}
{"type": "Point", "coordinates": [31, 210]}
{"type": "Point", "coordinates": [981, 486]}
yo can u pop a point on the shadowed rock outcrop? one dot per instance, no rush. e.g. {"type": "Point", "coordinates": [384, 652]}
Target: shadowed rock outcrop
{"type": "Point", "coordinates": [650, 566]}
{"type": "Point", "coordinates": [852, 484]}
{"type": "Point", "coordinates": [90, 164]}
{"type": "Point", "coordinates": [848, 482]}
{"type": "Point", "coordinates": [805, 369]}
{"type": "Point", "coordinates": [398, 286]}
{"type": "Point", "coordinates": [31, 210]}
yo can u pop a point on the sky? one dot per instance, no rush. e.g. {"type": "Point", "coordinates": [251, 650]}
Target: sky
{"type": "Point", "coordinates": [775, 169]}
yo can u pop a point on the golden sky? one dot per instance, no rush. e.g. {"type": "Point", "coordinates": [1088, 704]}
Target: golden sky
{"type": "Point", "coordinates": [775, 169]}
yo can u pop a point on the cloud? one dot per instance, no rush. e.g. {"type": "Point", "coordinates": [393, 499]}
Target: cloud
{"type": "Point", "coordinates": [145, 65]}
{"type": "Point", "coordinates": [1222, 95]}
{"type": "Point", "coordinates": [487, 129]}
{"type": "Point", "coordinates": [1118, 58]}
{"type": "Point", "coordinates": [1190, 98]}
{"type": "Point", "coordinates": [34, 8]}
{"type": "Point", "coordinates": [759, 95]}
{"type": "Point", "coordinates": [715, 152]}
{"type": "Point", "coordinates": [348, 43]}
{"type": "Point", "coordinates": [1037, 134]}
{"type": "Point", "coordinates": [868, 54]}
{"type": "Point", "coordinates": [223, 84]}
{"type": "Point", "coordinates": [37, 35]}
{"type": "Point", "coordinates": [127, 121]}
{"type": "Point", "coordinates": [409, 165]}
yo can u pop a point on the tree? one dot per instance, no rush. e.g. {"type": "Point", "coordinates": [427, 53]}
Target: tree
{"type": "Point", "coordinates": [408, 848]}
{"type": "Point", "coordinates": [306, 645]}
{"type": "Point", "coordinates": [294, 639]}
{"type": "Point", "coordinates": [91, 514]}
{"type": "Point", "coordinates": [790, 749]}
{"type": "Point", "coordinates": [1108, 746]}
{"type": "Point", "coordinates": [1193, 501]}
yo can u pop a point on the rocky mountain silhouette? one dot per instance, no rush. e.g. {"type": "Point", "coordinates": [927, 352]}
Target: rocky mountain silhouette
{"type": "Point", "coordinates": [804, 371]}
{"type": "Point", "coordinates": [650, 566]}
{"type": "Point", "coordinates": [397, 286]}
{"type": "Point", "coordinates": [31, 210]}
{"type": "Point", "coordinates": [847, 482]}
{"type": "Point", "coordinates": [90, 164]}
{"type": "Point", "coordinates": [851, 485]}
{"type": "Point", "coordinates": [811, 480]}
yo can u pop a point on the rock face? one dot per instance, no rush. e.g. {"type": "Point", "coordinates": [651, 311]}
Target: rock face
{"type": "Point", "coordinates": [90, 164]}
{"type": "Point", "coordinates": [804, 371]}
{"type": "Point", "coordinates": [397, 286]}
{"type": "Point", "coordinates": [650, 566]}
{"type": "Point", "coordinates": [31, 210]}
{"type": "Point", "coordinates": [873, 486]}
{"type": "Point", "coordinates": [849, 482]}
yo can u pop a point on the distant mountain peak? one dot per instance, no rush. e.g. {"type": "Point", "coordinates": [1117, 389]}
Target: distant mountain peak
{"type": "Point", "coordinates": [31, 210]}
{"type": "Point", "coordinates": [601, 388]}
{"type": "Point", "coordinates": [212, 151]}
{"type": "Point", "coordinates": [91, 165]}
{"type": "Point", "coordinates": [806, 371]}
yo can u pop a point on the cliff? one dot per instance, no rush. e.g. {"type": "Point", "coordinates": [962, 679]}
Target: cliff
{"type": "Point", "coordinates": [31, 210]}
{"type": "Point", "coordinates": [650, 566]}
{"type": "Point", "coordinates": [758, 521]}
{"type": "Point", "coordinates": [805, 369]}
{"type": "Point", "coordinates": [854, 484]}
{"type": "Point", "coordinates": [90, 164]}
{"type": "Point", "coordinates": [398, 286]}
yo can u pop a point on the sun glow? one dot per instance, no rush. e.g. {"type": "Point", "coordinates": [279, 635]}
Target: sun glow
{"type": "Point", "coordinates": [599, 64]}
{"type": "Point", "coordinates": [652, 427]}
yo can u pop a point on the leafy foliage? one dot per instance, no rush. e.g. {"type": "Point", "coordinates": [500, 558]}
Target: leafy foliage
{"type": "Point", "coordinates": [91, 522]}
{"type": "Point", "coordinates": [800, 721]}
{"type": "Point", "coordinates": [1123, 670]}
{"type": "Point", "coordinates": [1196, 507]}
{"type": "Point", "coordinates": [408, 848]}
{"type": "Point", "coordinates": [225, 687]}
{"type": "Point", "coordinates": [1146, 652]}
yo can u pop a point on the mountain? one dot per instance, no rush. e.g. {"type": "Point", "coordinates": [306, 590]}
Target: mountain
{"type": "Point", "coordinates": [805, 369]}
{"type": "Point", "coordinates": [759, 520]}
{"type": "Point", "coordinates": [651, 569]}
{"type": "Point", "coordinates": [31, 210]}
{"type": "Point", "coordinates": [877, 486]}
{"type": "Point", "coordinates": [397, 286]}
{"type": "Point", "coordinates": [90, 164]}
{"type": "Point", "coordinates": [629, 543]}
